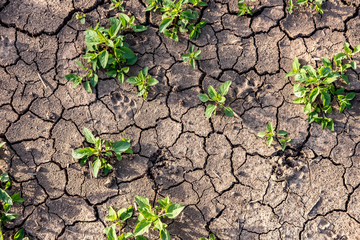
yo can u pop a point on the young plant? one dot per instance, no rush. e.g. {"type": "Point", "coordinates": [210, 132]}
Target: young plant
{"type": "Point", "coordinates": [106, 49]}
{"type": "Point", "coordinates": [244, 8]}
{"type": "Point", "coordinates": [117, 4]}
{"type": "Point", "coordinates": [313, 4]}
{"type": "Point", "coordinates": [211, 237]}
{"type": "Point", "coordinates": [178, 17]}
{"type": "Point", "coordinates": [143, 81]}
{"type": "Point", "coordinates": [192, 56]}
{"type": "Point", "coordinates": [101, 153]}
{"type": "Point", "coordinates": [316, 90]}
{"type": "Point", "coordinates": [2, 144]}
{"type": "Point", "coordinates": [147, 217]}
{"type": "Point", "coordinates": [81, 17]}
{"type": "Point", "coordinates": [218, 98]}
{"type": "Point", "coordinates": [270, 134]}
{"type": "Point", "coordinates": [20, 235]}
{"type": "Point", "coordinates": [7, 200]}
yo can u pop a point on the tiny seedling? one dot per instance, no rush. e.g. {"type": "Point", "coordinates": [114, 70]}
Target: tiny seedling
{"type": "Point", "coordinates": [244, 8]}
{"type": "Point", "coordinates": [101, 153]}
{"type": "Point", "coordinates": [81, 17]}
{"type": "Point", "coordinates": [147, 217]}
{"type": "Point", "coordinates": [270, 134]}
{"type": "Point", "coordinates": [106, 49]}
{"type": "Point", "coordinates": [117, 4]}
{"type": "Point", "coordinates": [143, 81]}
{"type": "Point", "coordinates": [2, 144]}
{"type": "Point", "coordinates": [192, 56]}
{"type": "Point", "coordinates": [211, 237]}
{"type": "Point", "coordinates": [313, 4]}
{"type": "Point", "coordinates": [218, 98]}
{"type": "Point", "coordinates": [7, 200]}
{"type": "Point", "coordinates": [178, 17]}
{"type": "Point", "coordinates": [316, 89]}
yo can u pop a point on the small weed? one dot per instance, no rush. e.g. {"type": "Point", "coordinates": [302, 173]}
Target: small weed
{"type": "Point", "coordinates": [244, 8]}
{"type": "Point", "coordinates": [147, 217]}
{"type": "Point", "coordinates": [211, 237]}
{"type": "Point", "coordinates": [313, 4]}
{"type": "Point", "coordinates": [102, 151]}
{"type": "Point", "coordinates": [191, 56]}
{"type": "Point", "coordinates": [316, 88]}
{"type": "Point", "coordinates": [106, 49]}
{"type": "Point", "coordinates": [117, 4]}
{"type": "Point", "coordinates": [143, 81]}
{"type": "Point", "coordinates": [81, 17]}
{"type": "Point", "coordinates": [7, 200]}
{"type": "Point", "coordinates": [218, 98]}
{"type": "Point", "coordinates": [178, 17]}
{"type": "Point", "coordinates": [20, 235]}
{"type": "Point", "coordinates": [270, 134]}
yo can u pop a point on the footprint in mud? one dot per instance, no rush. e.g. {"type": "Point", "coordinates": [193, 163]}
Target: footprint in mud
{"type": "Point", "coordinates": [123, 107]}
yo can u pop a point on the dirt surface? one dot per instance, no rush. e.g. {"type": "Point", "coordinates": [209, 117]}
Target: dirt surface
{"type": "Point", "coordinates": [232, 184]}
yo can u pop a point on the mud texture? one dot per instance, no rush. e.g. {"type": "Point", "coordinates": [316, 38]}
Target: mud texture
{"type": "Point", "coordinates": [232, 184]}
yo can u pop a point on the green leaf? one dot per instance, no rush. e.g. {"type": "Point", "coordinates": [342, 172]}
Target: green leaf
{"type": "Point", "coordinates": [132, 80]}
{"type": "Point", "coordinates": [165, 24]}
{"type": "Point", "coordinates": [19, 235]}
{"type": "Point", "coordinates": [103, 58]}
{"type": "Point", "coordinates": [16, 198]}
{"type": "Point", "coordinates": [353, 64]}
{"type": "Point", "coordinates": [307, 108]}
{"type": "Point", "coordinates": [228, 112]}
{"type": "Point", "coordinates": [72, 77]}
{"type": "Point", "coordinates": [142, 227]}
{"type": "Point", "coordinates": [356, 49]}
{"type": "Point", "coordinates": [261, 134]}
{"type": "Point", "coordinates": [269, 127]}
{"type": "Point", "coordinates": [164, 234]}
{"type": "Point", "coordinates": [141, 238]}
{"type": "Point", "coordinates": [112, 233]}
{"type": "Point", "coordinates": [91, 37]}
{"type": "Point", "coordinates": [152, 82]}
{"type": "Point", "coordinates": [127, 214]}
{"type": "Point", "coordinates": [299, 100]}
{"type": "Point", "coordinates": [296, 65]}
{"type": "Point", "coordinates": [139, 28]}
{"type": "Point", "coordinates": [115, 26]}
{"type": "Point", "coordinates": [224, 88]}
{"type": "Point", "coordinates": [87, 86]}
{"type": "Point", "coordinates": [192, 63]}
{"type": "Point", "coordinates": [338, 57]}
{"type": "Point", "coordinates": [326, 62]}
{"type": "Point", "coordinates": [2, 144]}
{"type": "Point", "coordinates": [313, 94]}
{"type": "Point", "coordinates": [212, 237]}
{"type": "Point", "coordinates": [4, 177]}
{"type": "Point", "coordinates": [89, 136]}
{"type": "Point", "coordinates": [269, 141]}
{"type": "Point", "coordinates": [112, 215]}
{"type": "Point", "coordinates": [203, 97]}
{"type": "Point", "coordinates": [347, 48]}
{"type": "Point", "coordinates": [121, 146]}
{"type": "Point", "coordinates": [350, 96]}
{"type": "Point", "coordinates": [282, 133]}
{"type": "Point", "coordinates": [4, 197]}
{"type": "Point", "coordinates": [212, 93]}
{"type": "Point", "coordinates": [173, 210]}
{"type": "Point", "coordinates": [96, 167]}
{"type": "Point", "coordinates": [210, 109]}
{"type": "Point", "coordinates": [143, 202]}
{"type": "Point", "coordinates": [94, 80]}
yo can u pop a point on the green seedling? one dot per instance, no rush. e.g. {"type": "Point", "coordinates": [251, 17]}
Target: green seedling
{"type": "Point", "coordinates": [271, 134]}
{"type": "Point", "coordinates": [7, 201]}
{"type": "Point", "coordinates": [211, 237]}
{"type": "Point", "coordinates": [143, 81]}
{"type": "Point", "coordinates": [244, 8]}
{"type": "Point", "coordinates": [2, 144]}
{"type": "Point", "coordinates": [101, 153]}
{"type": "Point", "coordinates": [192, 56]}
{"type": "Point", "coordinates": [313, 4]}
{"type": "Point", "coordinates": [20, 235]}
{"type": "Point", "coordinates": [178, 17]}
{"type": "Point", "coordinates": [218, 98]}
{"type": "Point", "coordinates": [81, 17]}
{"type": "Point", "coordinates": [316, 90]}
{"type": "Point", "coordinates": [147, 217]}
{"type": "Point", "coordinates": [117, 4]}
{"type": "Point", "coordinates": [106, 49]}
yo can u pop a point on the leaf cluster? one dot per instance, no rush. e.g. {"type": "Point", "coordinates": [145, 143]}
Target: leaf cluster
{"type": "Point", "coordinates": [271, 134]}
{"type": "Point", "coordinates": [143, 81]}
{"type": "Point", "coordinates": [244, 8]}
{"type": "Point", "coordinates": [178, 17]}
{"type": "Point", "coordinates": [218, 98]}
{"type": "Point", "coordinates": [313, 4]}
{"type": "Point", "coordinates": [7, 200]}
{"type": "Point", "coordinates": [211, 237]}
{"type": "Point", "coordinates": [81, 17]}
{"type": "Point", "coordinates": [315, 87]}
{"type": "Point", "coordinates": [101, 153]}
{"type": "Point", "coordinates": [106, 49]}
{"type": "Point", "coordinates": [192, 56]}
{"type": "Point", "coordinates": [146, 218]}
{"type": "Point", "coordinates": [117, 4]}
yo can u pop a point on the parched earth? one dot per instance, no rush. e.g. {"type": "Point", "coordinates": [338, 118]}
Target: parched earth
{"type": "Point", "coordinates": [232, 184]}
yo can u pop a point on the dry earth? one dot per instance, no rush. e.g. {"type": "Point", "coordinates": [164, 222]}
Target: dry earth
{"type": "Point", "coordinates": [232, 184]}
